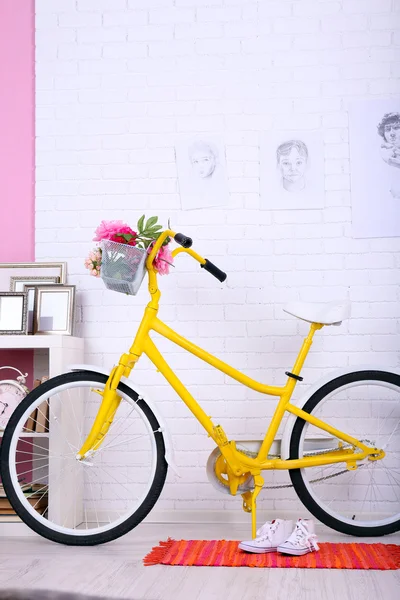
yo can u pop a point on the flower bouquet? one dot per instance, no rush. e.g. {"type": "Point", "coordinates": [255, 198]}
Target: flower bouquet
{"type": "Point", "coordinates": [120, 257]}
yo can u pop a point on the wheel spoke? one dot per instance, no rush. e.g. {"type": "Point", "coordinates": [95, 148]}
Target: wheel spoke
{"type": "Point", "coordinates": [120, 443]}
{"type": "Point", "coordinates": [118, 496]}
{"type": "Point", "coordinates": [392, 480]}
{"type": "Point", "coordinates": [394, 431]}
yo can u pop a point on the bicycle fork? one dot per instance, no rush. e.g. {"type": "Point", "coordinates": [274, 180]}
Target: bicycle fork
{"type": "Point", "coordinates": [105, 414]}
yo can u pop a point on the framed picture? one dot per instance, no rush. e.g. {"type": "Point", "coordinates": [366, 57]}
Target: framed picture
{"type": "Point", "coordinates": [27, 284]}
{"type": "Point", "coordinates": [17, 284]}
{"type": "Point", "coordinates": [13, 313]}
{"type": "Point", "coordinates": [54, 309]}
{"type": "Point", "coordinates": [36, 270]}
{"type": "Point", "coordinates": [30, 291]}
{"type": "Point", "coordinates": [292, 170]}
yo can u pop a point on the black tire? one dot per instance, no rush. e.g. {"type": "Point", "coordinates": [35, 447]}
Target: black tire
{"type": "Point", "coordinates": [296, 474]}
{"type": "Point", "coordinates": [98, 538]}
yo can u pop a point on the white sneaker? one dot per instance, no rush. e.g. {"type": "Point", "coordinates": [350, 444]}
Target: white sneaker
{"type": "Point", "coordinates": [269, 536]}
{"type": "Point", "coordinates": [302, 540]}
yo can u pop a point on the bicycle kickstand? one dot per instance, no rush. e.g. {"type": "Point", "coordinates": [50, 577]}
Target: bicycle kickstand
{"type": "Point", "coordinates": [252, 505]}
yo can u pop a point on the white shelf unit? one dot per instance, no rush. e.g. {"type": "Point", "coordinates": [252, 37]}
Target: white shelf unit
{"type": "Point", "coordinates": [52, 355]}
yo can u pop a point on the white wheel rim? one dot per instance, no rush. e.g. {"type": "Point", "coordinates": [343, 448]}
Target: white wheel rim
{"type": "Point", "coordinates": [101, 528]}
{"type": "Point", "coordinates": [372, 465]}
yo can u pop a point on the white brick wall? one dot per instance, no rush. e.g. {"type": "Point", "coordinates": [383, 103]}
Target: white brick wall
{"type": "Point", "coordinates": [117, 81]}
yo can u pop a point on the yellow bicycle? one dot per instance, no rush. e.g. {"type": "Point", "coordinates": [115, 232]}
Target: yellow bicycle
{"type": "Point", "coordinates": [103, 464]}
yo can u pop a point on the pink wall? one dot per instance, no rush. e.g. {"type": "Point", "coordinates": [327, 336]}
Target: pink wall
{"type": "Point", "coordinates": [17, 130]}
{"type": "Point", "coordinates": [17, 145]}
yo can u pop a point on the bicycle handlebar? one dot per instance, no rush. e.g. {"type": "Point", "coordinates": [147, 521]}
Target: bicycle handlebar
{"type": "Point", "coordinates": [211, 268]}
{"type": "Point", "coordinates": [186, 242]}
{"type": "Point", "coordinates": [183, 240]}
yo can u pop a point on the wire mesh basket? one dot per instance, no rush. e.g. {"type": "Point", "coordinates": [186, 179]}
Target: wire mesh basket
{"type": "Point", "coordinates": [122, 267]}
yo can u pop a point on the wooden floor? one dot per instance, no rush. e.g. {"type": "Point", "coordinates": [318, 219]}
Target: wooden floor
{"type": "Point", "coordinates": [116, 570]}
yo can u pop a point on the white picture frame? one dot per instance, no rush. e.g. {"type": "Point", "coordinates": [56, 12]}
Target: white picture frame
{"type": "Point", "coordinates": [37, 269]}
{"type": "Point", "coordinates": [18, 283]}
{"type": "Point", "coordinates": [54, 310]}
{"type": "Point", "coordinates": [27, 284]}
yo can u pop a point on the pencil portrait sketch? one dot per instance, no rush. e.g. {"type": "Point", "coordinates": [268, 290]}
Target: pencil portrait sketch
{"type": "Point", "coordinates": [203, 159]}
{"type": "Point", "coordinates": [292, 158]}
{"type": "Point", "coordinates": [375, 168]}
{"type": "Point", "coordinates": [201, 164]}
{"type": "Point", "coordinates": [389, 131]}
{"type": "Point", "coordinates": [292, 170]}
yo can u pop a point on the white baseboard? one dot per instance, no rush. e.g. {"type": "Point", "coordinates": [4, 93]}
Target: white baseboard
{"type": "Point", "coordinates": [236, 517]}
{"type": "Point", "coordinates": [218, 516]}
{"type": "Point", "coordinates": [15, 530]}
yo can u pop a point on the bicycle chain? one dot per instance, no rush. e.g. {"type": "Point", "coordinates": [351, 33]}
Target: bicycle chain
{"type": "Point", "coordinates": [315, 453]}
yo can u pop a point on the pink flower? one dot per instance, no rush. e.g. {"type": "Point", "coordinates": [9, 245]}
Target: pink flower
{"type": "Point", "coordinates": [163, 260]}
{"type": "Point", "coordinates": [93, 262]}
{"type": "Point", "coordinates": [117, 237]}
{"type": "Point", "coordinates": [113, 231]}
{"type": "Point", "coordinates": [94, 256]}
{"type": "Point", "coordinates": [107, 229]}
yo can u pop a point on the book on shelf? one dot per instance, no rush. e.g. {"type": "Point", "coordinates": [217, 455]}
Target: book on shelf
{"type": "Point", "coordinates": [36, 495]}
{"type": "Point", "coordinates": [10, 511]}
{"type": "Point", "coordinates": [30, 424]}
{"type": "Point", "coordinates": [40, 506]}
{"type": "Point", "coordinates": [39, 419]}
{"type": "Point", "coordinates": [42, 411]}
{"type": "Point", "coordinates": [30, 489]}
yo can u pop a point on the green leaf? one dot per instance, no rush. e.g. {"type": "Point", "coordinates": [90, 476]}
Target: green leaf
{"type": "Point", "coordinates": [151, 221]}
{"type": "Point", "coordinates": [127, 236]}
{"type": "Point", "coordinates": [140, 223]}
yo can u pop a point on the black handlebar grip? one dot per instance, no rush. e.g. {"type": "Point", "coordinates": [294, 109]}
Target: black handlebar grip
{"type": "Point", "coordinates": [183, 240]}
{"type": "Point", "coordinates": [211, 268]}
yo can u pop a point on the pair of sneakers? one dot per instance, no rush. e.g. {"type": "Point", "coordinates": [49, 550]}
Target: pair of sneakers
{"type": "Point", "coordinates": [279, 536]}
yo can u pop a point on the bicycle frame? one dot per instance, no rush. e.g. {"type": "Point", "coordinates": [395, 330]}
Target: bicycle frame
{"type": "Point", "coordinates": [238, 463]}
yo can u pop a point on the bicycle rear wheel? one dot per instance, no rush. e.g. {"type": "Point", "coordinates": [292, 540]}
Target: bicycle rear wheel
{"type": "Point", "coordinates": [90, 501]}
{"type": "Point", "coordinates": [364, 501]}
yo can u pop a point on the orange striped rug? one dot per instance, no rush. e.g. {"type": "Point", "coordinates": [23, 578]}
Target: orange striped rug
{"type": "Point", "coordinates": [225, 553]}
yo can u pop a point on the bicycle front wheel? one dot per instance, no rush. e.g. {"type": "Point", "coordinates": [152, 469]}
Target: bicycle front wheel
{"type": "Point", "coordinates": [364, 501]}
{"type": "Point", "coordinates": [90, 501]}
